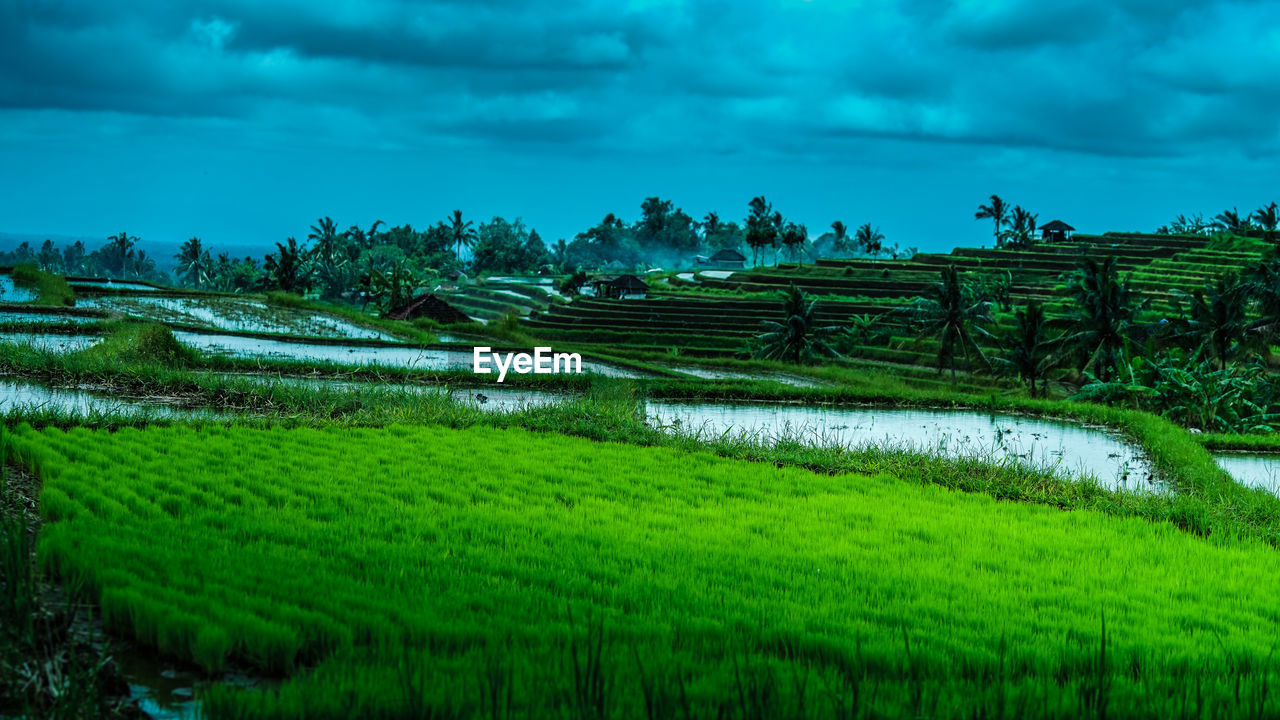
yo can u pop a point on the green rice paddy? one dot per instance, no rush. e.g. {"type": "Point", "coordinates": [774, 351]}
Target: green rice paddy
{"type": "Point", "coordinates": [426, 571]}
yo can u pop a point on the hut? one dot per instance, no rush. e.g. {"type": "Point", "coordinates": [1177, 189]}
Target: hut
{"type": "Point", "coordinates": [725, 259]}
{"type": "Point", "coordinates": [431, 307]}
{"type": "Point", "coordinates": [1055, 231]}
{"type": "Point", "coordinates": [622, 286]}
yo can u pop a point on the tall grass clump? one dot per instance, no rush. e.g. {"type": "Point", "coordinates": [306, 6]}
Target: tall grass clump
{"type": "Point", "coordinates": [136, 344]}
{"type": "Point", "coordinates": [50, 289]}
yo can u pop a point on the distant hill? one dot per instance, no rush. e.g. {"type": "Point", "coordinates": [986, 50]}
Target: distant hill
{"type": "Point", "coordinates": [162, 251]}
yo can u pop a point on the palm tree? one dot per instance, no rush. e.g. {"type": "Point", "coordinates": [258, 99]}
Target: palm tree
{"type": "Point", "coordinates": [1022, 227]}
{"type": "Point", "coordinates": [287, 268]}
{"type": "Point", "coordinates": [710, 227]}
{"type": "Point", "coordinates": [463, 233]}
{"type": "Point", "coordinates": [997, 211]}
{"type": "Point", "coordinates": [794, 237]}
{"type": "Point", "coordinates": [193, 263]}
{"type": "Point", "coordinates": [761, 229]}
{"type": "Point", "coordinates": [870, 240]}
{"type": "Point", "coordinates": [799, 337]}
{"type": "Point", "coordinates": [948, 312]}
{"type": "Point", "coordinates": [840, 241]}
{"type": "Point", "coordinates": [1230, 221]}
{"type": "Point", "coordinates": [1104, 318]}
{"type": "Point", "coordinates": [119, 252]}
{"type": "Point", "coordinates": [1031, 356]}
{"type": "Point", "coordinates": [1268, 218]}
{"type": "Point", "coordinates": [325, 233]}
{"type": "Point", "coordinates": [1214, 318]}
{"type": "Point", "coordinates": [1261, 283]}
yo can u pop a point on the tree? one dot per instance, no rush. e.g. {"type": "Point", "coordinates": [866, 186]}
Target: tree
{"type": "Point", "coordinates": [840, 239]}
{"type": "Point", "coordinates": [193, 263]}
{"type": "Point", "coordinates": [798, 337]}
{"type": "Point", "coordinates": [1214, 318]}
{"type": "Point", "coordinates": [794, 236]}
{"type": "Point", "coordinates": [1022, 228]}
{"type": "Point", "coordinates": [710, 227]}
{"type": "Point", "coordinates": [508, 247]}
{"type": "Point", "coordinates": [463, 233]}
{"type": "Point", "coordinates": [1268, 219]}
{"type": "Point", "coordinates": [997, 211]}
{"type": "Point", "coordinates": [117, 253]}
{"type": "Point", "coordinates": [948, 312]}
{"type": "Point", "coordinates": [1104, 316]}
{"type": "Point", "coordinates": [286, 267]}
{"type": "Point", "coordinates": [1230, 221]}
{"type": "Point", "coordinates": [1261, 283]}
{"type": "Point", "coordinates": [325, 233]}
{"type": "Point", "coordinates": [49, 258]}
{"type": "Point", "coordinates": [1030, 356]}
{"type": "Point", "coordinates": [761, 230]}
{"type": "Point", "coordinates": [870, 240]}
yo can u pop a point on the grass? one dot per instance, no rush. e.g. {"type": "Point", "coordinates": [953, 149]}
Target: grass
{"type": "Point", "coordinates": [50, 289]}
{"type": "Point", "coordinates": [446, 568]}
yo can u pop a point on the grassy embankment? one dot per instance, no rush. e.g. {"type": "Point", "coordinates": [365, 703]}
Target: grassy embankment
{"type": "Point", "coordinates": [485, 572]}
{"type": "Point", "coordinates": [50, 289]}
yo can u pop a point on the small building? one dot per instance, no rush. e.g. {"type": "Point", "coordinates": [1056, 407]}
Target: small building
{"type": "Point", "coordinates": [1055, 231]}
{"type": "Point", "coordinates": [431, 307]}
{"type": "Point", "coordinates": [725, 259]}
{"type": "Point", "coordinates": [622, 286]}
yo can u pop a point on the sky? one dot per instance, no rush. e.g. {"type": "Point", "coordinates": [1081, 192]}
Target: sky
{"type": "Point", "coordinates": [242, 121]}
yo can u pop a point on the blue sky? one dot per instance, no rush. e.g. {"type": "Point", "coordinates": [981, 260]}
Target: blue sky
{"type": "Point", "coordinates": [241, 122]}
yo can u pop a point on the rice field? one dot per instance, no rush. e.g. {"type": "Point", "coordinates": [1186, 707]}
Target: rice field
{"type": "Point", "coordinates": [484, 572]}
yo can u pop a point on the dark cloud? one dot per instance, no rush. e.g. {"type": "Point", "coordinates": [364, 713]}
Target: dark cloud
{"type": "Point", "coordinates": [774, 81]}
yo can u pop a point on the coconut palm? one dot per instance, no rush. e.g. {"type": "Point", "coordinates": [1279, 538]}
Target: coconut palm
{"type": "Point", "coordinates": [1031, 356]}
{"type": "Point", "coordinates": [287, 267]}
{"type": "Point", "coordinates": [799, 337]}
{"type": "Point", "coordinates": [1230, 221]}
{"type": "Point", "coordinates": [840, 236]}
{"type": "Point", "coordinates": [997, 211]}
{"type": "Point", "coordinates": [1261, 283]}
{"type": "Point", "coordinates": [761, 229]}
{"type": "Point", "coordinates": [1022, 228]}
{"type": "Point", "coordinates": [949, 312]}
{"type": "Point", "coordinates": [1268, 218]}
{"type": "Point", "coordinates": [1104, 317]}
{"type": "Point", "coordinates": [869, 239]}
{"type": "Point", "coordinates": [1213, 318]}
{"type": "Point", "coordinates": [794, 236]}
{"type": "Point", "coordinates": [119, 251]}
{"type": "Point", "coordinates": [193, 263]}
{"type": "Point", "coordinates": [462, 233]}
{"type": "Point", "coordinates": [325, 233]}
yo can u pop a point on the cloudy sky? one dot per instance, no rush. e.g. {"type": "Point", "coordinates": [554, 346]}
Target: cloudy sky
{"type": "Point", "coordinates": [242, 121]}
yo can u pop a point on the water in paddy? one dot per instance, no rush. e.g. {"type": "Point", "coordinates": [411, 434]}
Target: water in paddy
{"type": "Point", "coordinates": [1257, 470]}
{"type": "Point", "coordinates": [236, 315]}
{"type": "Point", "coordinates": [30, 396]}
{"type": "Point", "coordinates": [51, 341]}
{"type": "Point", "coordinates": [707, 373]}
{"type": "Point", "coordinates": [401, 357]}
{"type": "Point", "coordinates": [113, 285]}
{"type": "Point", "coordinates": [11, 294]}
{"type": "Point", "coordinates": [1070, 450]}
{"type": "Point", "coordinates": [35, 317]}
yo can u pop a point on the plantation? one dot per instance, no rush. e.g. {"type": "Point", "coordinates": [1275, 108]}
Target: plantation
{"type": "Point", "coordinates": [433, 572]}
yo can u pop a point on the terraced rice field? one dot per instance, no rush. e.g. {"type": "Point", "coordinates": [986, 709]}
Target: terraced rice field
{"type": "Point", "coordinates": [434, 572]}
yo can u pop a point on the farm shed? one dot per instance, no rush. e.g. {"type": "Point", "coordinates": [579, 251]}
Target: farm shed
{"type": "Point", "coordinates": [1056, 231]}
{"type": "Point", "coordinates": [726, 259]}
{"type": "Point", "coordinates": [428, 306]}
{"type": "Point", "coordinates": [622, 286]}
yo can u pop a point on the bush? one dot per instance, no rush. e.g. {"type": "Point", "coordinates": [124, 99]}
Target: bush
{"type": "Point", "coordinates": [281, 298]}
{"type": "Point", "coordinates": [145, 345]}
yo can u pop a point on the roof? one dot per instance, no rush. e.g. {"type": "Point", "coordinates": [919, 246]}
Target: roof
{"type": "Point", "coordinates": [729, 255]}
{"type": "Point", "coordinates": [429, 306]}
{"type": "Point", "coordinates": [629, 283]}
{"type": "Point", "coordinates": [1056, 225]}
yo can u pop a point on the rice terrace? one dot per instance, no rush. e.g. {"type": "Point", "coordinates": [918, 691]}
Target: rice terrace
{"type": "Point", "coordinates": [849, 438]}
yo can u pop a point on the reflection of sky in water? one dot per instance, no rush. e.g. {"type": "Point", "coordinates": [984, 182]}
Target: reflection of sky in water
{"type": "Point", "coordinates": [1066, 448]}
{"type": "Point", "coordinates": [235, 314]}
{"type": "Point", "coordinates": [112, 285]}
{"type": "Point", "coordinates": [403, 357]}
{"type": "Point", "coordinates": [51, 318]}
{"type": "Point", "coordinates": [51, 341]}
{"type": "Point", "coordinates": [1260, 471]}
{"type": "Point", "coordinates": [11, 294]}
{"type": "Point", "coordinates": [14, 395]}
